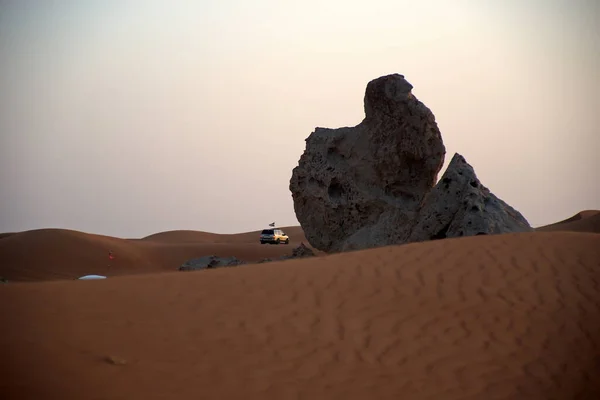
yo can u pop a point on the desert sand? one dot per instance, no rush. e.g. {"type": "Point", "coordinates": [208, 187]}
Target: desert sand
{"type": "Point", "coordinates": [50, 254]}
{"type": "Point", "coordinates": [513, 316]}
{"type": "Point", "coordinates": [584, 221]}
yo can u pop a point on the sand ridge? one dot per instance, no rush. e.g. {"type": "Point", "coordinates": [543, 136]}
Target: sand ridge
{"type": "Point", "coordinates": [295, 232]}
{"type": "Point", "coordinates": [584, 221]}
{"type": "Point", "coordinates": [489, 317]}
{"type": "Point", "coordinates": [49, 254]}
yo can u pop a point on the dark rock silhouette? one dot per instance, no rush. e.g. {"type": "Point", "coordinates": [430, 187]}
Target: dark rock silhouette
{"type": "Point", "coordinates": [460, 205]}
{"type": "Point", "coordinates": [299, 252]}
{"type": "Point", "coordinates": [360, 187]}
{"type": "Point", "coordinates": [373, 184]}
{"type": "Point", "coordinates": [206, 262]}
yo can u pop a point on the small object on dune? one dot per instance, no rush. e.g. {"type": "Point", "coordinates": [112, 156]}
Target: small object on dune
{"type": "Point", "coordinates": [88, 277]}
{"type": "Point", "coordinates": [274, 236]}
{"type": "Point", "coordinates": [115, 360]}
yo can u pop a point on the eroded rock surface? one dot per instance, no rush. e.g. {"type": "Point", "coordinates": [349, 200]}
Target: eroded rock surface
{"type": "Point", "coordinates": [301, 251]}
{"type": "Point", "coordinates": [460, 205]}
{"type": "Point", "coordinates": [209, 262]}
{"type": "Point", "coordinates": [372, 185]}
{"type": "Point", "coordinates": [361, 187]}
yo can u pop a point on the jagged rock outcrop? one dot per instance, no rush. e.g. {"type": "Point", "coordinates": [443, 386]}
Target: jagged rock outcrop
{"type": "Point", "coordinates": [460, 205]}
{"type": "Point", "coordinates": [371, 185]}
{"type": "Point", "coordinates": [361, 187]}
{"type": "Point", "coordinates": [301, 251]}
{"type": "Point", "coordinates": [209, 262]}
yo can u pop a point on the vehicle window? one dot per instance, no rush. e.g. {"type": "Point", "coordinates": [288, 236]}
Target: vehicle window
{"type": "Point", "coordinates": [267, 231]}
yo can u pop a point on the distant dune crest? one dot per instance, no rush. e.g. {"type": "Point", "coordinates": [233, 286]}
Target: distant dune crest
{"type": "Point", "coordinates": [51, 254]}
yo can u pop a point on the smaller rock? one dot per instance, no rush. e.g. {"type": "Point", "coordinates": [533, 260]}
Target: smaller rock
{"type": "Point", "coordinates": [115, 360]}
{"type": "Point", "coordinates": [210, 262]}
{"type": "Point", "coordinates": [459, 205]}
{"type": "Point", "coordinates": [302, 251]}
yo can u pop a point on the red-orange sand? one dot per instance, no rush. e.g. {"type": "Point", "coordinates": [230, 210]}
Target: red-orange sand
{"type": "Point", "coordinates": [584, 221]}
{"type": "Point", "coordinates": [50, 254]}
{"type": "Point", "coordinates": [512, 316]}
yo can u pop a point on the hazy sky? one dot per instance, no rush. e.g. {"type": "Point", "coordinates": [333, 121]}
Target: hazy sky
{"type": "Point", "coordinates": [126, 118]}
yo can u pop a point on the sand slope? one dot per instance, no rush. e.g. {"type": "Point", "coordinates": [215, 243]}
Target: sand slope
{"type": "Point", "coordinates": [489, 317]}
{"type": "Point", "coordinates": [584, 221]}
{"type": "Point", "coordinates": [294, 232]}
{"type": "Point", "coordinates": [48, 254]}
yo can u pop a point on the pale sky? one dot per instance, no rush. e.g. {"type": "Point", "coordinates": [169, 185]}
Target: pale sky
{"type": "Point", "coordinates": [127, 118]}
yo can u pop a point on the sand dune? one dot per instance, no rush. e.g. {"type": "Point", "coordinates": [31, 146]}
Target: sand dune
{"type": "Point", "coordinates": [489, 317]}
{"type": "Point", "coordinates": [48, 254]}
{"type": "Point", "coordinates": [294, 232]}
{"type": "Point", "coordinates": [584, 221]}
{"type": "Point", "coordinates": [6, 234]}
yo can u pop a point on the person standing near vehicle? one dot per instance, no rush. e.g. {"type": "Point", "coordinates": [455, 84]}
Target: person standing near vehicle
{"type": "Point", "coordinates": [110, 258]}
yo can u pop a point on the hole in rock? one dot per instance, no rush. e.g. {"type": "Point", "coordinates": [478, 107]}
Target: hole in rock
{"type": "Point", "coordinates": [335, 190]}
{"type": "Point", "coordinates": [442, 233]}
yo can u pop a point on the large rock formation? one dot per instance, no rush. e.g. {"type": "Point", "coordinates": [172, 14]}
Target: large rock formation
{"type": "Point", "coordinates": [366, 186]}
{"type": "Point", "coordinates": [361, 187]}
{"type": "Point", "coordinates": [460, 205]}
